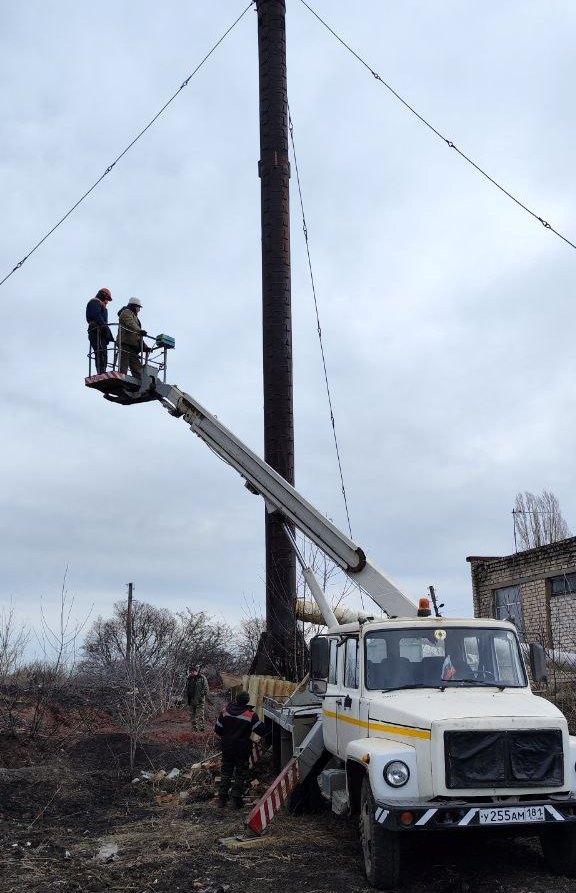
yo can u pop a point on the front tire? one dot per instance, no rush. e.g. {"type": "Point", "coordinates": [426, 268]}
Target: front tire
{"type": "Point", "coordinates": [381, 847]}
{"type": "Point", "coordinates": [559, 849]}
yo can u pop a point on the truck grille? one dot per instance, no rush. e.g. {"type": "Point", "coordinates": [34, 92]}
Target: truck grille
{"type": "Point", "coordinates": [507, 759]}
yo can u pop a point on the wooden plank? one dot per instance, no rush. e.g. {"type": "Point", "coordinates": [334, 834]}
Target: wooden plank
{"type": "Point", "coordinates": [246, 843]}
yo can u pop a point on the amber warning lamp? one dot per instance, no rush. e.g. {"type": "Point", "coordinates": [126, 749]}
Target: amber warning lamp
{"type": "Point", "coordinates": [424, 607]}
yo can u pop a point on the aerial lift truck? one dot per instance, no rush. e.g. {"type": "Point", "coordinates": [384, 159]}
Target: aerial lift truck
{"type": "Point", "coordinates": [414, 722]}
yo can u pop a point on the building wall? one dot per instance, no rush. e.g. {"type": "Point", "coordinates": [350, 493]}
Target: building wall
{"type": "Point", "coordinates": [549, 619]}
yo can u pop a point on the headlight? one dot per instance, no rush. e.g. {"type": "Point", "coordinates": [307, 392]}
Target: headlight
{"type": "Point", "coordinates": [396, 773]}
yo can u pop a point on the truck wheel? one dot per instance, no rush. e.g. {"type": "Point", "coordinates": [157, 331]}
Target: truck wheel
{"type": "Point", "coordinates": [381, 847]}
{"type": "Point", "coordinates": [559, 849]}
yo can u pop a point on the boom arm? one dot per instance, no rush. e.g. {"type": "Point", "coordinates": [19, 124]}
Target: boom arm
{"type": "Point", "coordinates": [280, 496]}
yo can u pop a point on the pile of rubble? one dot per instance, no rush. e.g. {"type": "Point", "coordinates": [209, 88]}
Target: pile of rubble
{"type": "Point", "coordinates": [198, 783]}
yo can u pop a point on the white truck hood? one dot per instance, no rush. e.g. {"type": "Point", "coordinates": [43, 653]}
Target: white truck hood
{"type": "Point", "coordinates": [420, 709]}
{"type": "Point", "coordinates": [419, 719]}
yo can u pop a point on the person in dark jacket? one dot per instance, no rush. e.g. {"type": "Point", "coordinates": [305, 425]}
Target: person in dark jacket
{"type": "Point", "coordinates": [195, 696]}
{"type": "Point", "coordinates": [99, 334]}
{"type": "Point", "coordinates": [235, 725]}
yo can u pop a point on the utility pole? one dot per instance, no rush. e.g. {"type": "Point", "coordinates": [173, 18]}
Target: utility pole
{"type": "Point", "coordinates": [274, 172]}
{"type": "Point", "coordinates": [129, 623]}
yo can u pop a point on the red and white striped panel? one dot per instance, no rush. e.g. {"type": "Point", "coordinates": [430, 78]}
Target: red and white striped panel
{"type": "Point", "coordinates": [102, 376]}
{"type": "Point", "coordinates": [274, 798]}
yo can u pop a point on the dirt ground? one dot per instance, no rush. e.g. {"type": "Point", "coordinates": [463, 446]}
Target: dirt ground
{"type": "Point", "coordinates": [60, 810]}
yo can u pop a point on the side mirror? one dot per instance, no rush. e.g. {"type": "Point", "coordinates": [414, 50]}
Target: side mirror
{"type": "Point", "coordinates": [318, 686]}
{"type": "Point", "coordinates": [538, 663]}
{"type": "Point", "coordinates": [319, 658]}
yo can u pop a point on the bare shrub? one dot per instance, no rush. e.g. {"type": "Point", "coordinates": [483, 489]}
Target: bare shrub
{"type": "Point", "coordinates": [34, 696]}
{"type": "Point", "coordinates": [13, 640]}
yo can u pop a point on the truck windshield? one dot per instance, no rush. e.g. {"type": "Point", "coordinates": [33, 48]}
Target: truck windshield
{"type": "Point", "coordinates": [441, 657]}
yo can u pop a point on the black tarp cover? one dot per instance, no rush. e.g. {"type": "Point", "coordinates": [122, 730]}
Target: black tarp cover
{"type": "Point", "coordinates": [518, 758]}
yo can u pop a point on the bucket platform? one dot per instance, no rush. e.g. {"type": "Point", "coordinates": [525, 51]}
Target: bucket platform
{"type": "Point", "coordinates": [120, 387]}
{"type": "Point", "coordinates": [112, 382]}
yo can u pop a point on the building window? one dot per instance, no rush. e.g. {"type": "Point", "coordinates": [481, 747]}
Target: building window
{"type": "Point", "coordinates": [508, 606]}
{"type": "Point", "coordinates": [563, 585]}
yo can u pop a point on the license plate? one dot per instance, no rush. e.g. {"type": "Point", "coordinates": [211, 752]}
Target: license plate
{"type": "Point", "coordinates": [511, 815]}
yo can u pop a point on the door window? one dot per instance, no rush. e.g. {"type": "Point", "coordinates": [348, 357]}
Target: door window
{"type": "Point", "coordinates": [351, 663]}
{"type": "Point", "coordinates": [333, 671]}
{"type": "Point", "coordinates": [506, 659]}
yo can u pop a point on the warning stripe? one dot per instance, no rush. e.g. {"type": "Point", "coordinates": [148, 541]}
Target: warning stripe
{"type": "Point", "coordinates": [104, 375]}
{"type": "Point", "coordinates": [274, 798]}
{"type": "Point", "coordinates": [381, 815]}
{"type": "Point", "coordinates": [425, 818]}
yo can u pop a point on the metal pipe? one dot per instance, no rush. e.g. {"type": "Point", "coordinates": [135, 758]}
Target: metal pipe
{"type": "Point", "coordinates": [330, 618]}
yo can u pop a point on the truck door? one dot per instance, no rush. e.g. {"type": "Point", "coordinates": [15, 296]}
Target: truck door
{"type": "Point", "coordinates": [329, 707]}
{"type": "Point", "coordinates": [349, 726]}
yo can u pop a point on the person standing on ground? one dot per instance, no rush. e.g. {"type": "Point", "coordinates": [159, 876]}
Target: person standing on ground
{"type": "Point", "coordinates": [130, 334]}
{"type": "Point", "coordinates": [235, 725]}
{"type": "Point", "coordinates": [195, 697]}
{"type": "Point", "coordinates": [99, 334]}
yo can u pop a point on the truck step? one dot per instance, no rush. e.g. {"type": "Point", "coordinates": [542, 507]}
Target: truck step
{"type": "Point", "coordinates": [340, 803]}
{"type": "Point", "coordinates": [310, 750]}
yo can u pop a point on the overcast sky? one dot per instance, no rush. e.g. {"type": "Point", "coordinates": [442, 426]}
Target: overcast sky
{"type": "Point", "coordinates": [447, 312]}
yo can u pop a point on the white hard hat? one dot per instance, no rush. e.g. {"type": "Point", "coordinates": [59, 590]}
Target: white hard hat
{"type": "Point", "coordinates": [135, 301]}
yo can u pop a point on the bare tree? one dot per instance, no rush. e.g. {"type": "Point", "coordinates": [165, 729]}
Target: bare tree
{"type": "Point", "coordinates": [153, 632]}
{"type": "Point", "coordinates": [246, 642]}
{"type": "Point", "coordinates": [137, 688]}
{"type": "Point", "coordinates": [142, 694]}
{"type": "Point", "coordinates": [33, 696]}
{"type": "Point", "coordinates": [538, 520]}
{"type": "Point", "coordinates": [202, 640]}
{"type": "Point", "coordinates": [58, 641]}
{"type": "Point", "coordinates": [161, 641]}
{"type": "Point", "coordinates": [13, 641]}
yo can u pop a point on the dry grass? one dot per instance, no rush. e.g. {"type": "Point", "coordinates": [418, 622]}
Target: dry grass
{"type": "Point", "coordinates": [58, 809]}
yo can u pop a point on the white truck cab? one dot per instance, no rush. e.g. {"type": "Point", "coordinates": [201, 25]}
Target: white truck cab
{"type": "Point", "coordinates": [432, 725]}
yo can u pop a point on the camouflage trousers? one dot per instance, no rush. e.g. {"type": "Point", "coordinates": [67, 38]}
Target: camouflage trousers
{"type": "Point", "coordinates": [130, 356]}
{"type": "Point", "coordinates": [197, 716]}
{"type": "Point", "coordinates": [233, 776]}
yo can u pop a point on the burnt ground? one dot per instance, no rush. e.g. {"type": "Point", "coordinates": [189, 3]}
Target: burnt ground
{"type": "Point", "coordinates": [59, 809]}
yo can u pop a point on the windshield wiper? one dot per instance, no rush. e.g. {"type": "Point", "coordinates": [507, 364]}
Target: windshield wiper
{"type": "Point", "coordinates": [480, 683]}
{"type": "Point", "coordinates": [448, 683]}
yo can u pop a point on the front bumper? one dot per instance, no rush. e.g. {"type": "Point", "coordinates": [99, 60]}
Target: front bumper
{"type": "Point", "coordinates": [517, 814]}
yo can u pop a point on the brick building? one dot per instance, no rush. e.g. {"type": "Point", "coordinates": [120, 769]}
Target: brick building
{"type": "Point", "coordinates": [535, 588]}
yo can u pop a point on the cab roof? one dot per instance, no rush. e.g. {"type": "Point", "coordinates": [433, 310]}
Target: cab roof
{"type": "Point", "coordinates": [417, 622]}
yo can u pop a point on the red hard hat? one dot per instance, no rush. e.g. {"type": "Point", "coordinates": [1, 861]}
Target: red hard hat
{"type": "Point", "coordinates": [105, 294]}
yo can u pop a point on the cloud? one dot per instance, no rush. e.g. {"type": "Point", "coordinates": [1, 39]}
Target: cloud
{"type": "Point", "coordinates": [446, 311]}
